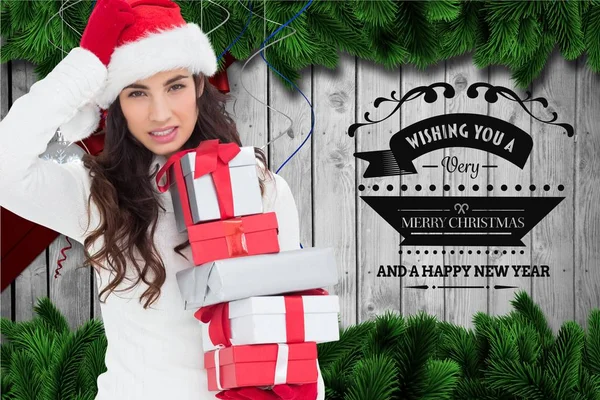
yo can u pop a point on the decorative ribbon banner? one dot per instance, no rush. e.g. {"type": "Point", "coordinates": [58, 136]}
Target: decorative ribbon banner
{"type": "Point", "coordinates": [462, 221]}
{"type": "Point", "coordinates": [476, 131]}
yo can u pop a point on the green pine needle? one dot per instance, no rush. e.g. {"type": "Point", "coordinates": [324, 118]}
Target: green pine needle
{"type": "Point", "coordinates": [592, 344]}
{"type": "Point", "coordinates": [373, 379]}
{"type": "Point", "coordinates": [564, 20]}
{"type": "Point", "coordinates": [524, 305]}
{"type": "Point", "coordinates": [442, 10]}
{"type": "Point", "coordinates": [376, 13]}
{"type": "Point", "coordinates": [51, 315]}
{"type": "Point", "coordinates": [565, 358]}
{"type": "Point", "coordinates": [592, 35]}
{"type": "Point", "coordinates": [442, 378]}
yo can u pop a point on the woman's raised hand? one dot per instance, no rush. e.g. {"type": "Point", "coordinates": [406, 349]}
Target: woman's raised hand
{"type": "Point", "coordinates": [108, 19]}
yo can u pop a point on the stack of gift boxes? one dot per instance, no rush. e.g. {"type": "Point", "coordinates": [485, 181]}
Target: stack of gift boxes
{"type": "Point", "coordinates": [262, 311]}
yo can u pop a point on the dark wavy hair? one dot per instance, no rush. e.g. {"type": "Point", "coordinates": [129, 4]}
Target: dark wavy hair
{"type": "Point", "coordinates": [122, 189]}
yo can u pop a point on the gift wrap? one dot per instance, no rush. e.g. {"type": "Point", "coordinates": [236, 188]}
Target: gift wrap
{"type": "Point", "coordinates": [236, 237]}
{"type": "Point", "coordinates": [261, 365]}
{"type": "Point", "coordinates": [275, 319]}
{"type": "Point", "coordinates": [202, 194]}
{"type": "Point", "coordinates": [260, 275]}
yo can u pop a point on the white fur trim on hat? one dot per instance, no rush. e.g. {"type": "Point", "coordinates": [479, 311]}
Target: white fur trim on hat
{"type": "Point", "coordinates": [82, 124]}
{"type": "Point", "coordinates": [182, 47]}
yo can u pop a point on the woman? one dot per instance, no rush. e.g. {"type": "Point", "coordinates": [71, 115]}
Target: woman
{"type": "Point", "coordinates": [143, 63]}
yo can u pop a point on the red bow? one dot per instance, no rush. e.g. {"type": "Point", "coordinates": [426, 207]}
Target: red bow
{"type": "Point", "coordinates": [211, 157]}
{"type": "Point", "coordinates": [307, 391]}
{"type": "Point", "coordinates": [219, 328]}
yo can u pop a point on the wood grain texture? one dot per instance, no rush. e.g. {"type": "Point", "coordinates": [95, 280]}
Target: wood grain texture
{"type": "Point", "coordinates": [70, 292]}
{"type": "Point", "coordinates": [335, 178]}
{"type": "Point", "coordinates": [298, 171]}
{"type": "Point", "coordinates": [587, 194]}
{"type": "Point", "coordinates": [552, 163]}
{"type": "Point", "coordinates": [462, 303]}
{"type": "Point", "coordinates": [510, 175]}
{"type": "Point", "coordinates": [378, 242]}
{"type": "Point", "coordinates": [429, 300]}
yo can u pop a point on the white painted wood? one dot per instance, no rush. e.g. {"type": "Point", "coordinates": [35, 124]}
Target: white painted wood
{"type": "Point", "coordinates": [70, 291]}
{"type": "Point", "coordinates": [298, 171]}
{"type": "Point", "coordinates": [335, 181]}
{"type": "Point", "coordinates": [552, 163]}
{"type": "Point", "coordinates": [429, 300]}
{"type": "Point", "coordinates": [510, 175]}
{"type": "Point", "coordinates": [378, 242]}
{"type": "Point", "coordinates": [462, 303]}
{"type": "Point", "coordinates": [587, 194]}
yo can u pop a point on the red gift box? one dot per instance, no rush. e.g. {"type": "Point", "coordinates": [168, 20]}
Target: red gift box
{"type": "Point", "coordinates": [212, 157]}
{"type": "Point", "coordinates": [261, 365]}
{"type": "Point", "coordinates": [243, 236]}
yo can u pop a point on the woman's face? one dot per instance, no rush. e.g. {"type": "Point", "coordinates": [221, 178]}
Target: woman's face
{"type": "Point", "coordinates": [158, 103]}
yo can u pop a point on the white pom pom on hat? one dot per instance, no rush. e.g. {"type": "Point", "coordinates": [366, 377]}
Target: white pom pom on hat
{"type": "Point", "coordinates": [159, 40]}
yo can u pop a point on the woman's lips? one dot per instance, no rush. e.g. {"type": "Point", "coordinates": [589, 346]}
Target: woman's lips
{"type": "Point", "coordinates": [165, 138]}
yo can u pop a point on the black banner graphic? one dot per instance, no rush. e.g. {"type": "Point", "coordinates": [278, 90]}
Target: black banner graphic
{"type": "Point", "coordinates": [462, 221]}
{"type": "Point", "coordinates": [476, 131]}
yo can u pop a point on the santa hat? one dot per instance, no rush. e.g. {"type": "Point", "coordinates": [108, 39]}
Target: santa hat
{"type": "Point", "coordinates": [159, 40]}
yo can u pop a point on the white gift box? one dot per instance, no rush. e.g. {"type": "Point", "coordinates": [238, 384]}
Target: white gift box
{"type": "Point", "coordinates": [261, 320]}
{"type": "Point", "coordinates": [261, 275]}
{"type": "Point", "coordinates": [202, 195]}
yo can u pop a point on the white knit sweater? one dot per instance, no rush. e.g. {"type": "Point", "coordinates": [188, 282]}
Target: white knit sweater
{"type": "Point", "coordinates": [155, 353]}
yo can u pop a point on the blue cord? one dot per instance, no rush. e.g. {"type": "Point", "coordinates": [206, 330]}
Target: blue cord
{"type": "Point", "coordinates": [312, 114]}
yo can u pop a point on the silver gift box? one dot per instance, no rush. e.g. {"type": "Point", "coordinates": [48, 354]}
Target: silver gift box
{"type": "Point", "coordinates": [261, 275]}
{"type": "Point", "coordinates": [202, 194]}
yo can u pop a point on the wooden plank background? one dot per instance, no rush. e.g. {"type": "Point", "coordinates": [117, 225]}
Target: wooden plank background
{"type": "Point", "coordinates": [324, 178]}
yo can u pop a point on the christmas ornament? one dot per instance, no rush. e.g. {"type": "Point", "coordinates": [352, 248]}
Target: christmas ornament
{"type": "Point", "coordinates": [62, 152]}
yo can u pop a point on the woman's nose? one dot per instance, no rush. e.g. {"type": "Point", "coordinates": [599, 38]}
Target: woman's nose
{"type": "Point", "coordinates": [160, 109]}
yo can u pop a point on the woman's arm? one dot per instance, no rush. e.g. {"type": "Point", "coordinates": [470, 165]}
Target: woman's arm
{"type": "Point", "coordinates": [50, 194]}
{"type": "Point", "coordinates": [280, 200]}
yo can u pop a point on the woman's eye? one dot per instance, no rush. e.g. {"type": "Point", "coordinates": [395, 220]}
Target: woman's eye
{"type": "Point", "coordinates": [132, 94]}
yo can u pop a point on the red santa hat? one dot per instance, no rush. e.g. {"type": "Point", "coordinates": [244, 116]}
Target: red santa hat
{"type": "Point", "coordinates": [159, 40]}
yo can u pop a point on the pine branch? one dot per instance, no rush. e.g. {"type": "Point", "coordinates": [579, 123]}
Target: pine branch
{"type": "Point", "coordinates": [442, 378]}
{"type": "Point", "coordinates": [51, 315]}
{"type": "Point", "coordinates": [375, 13]}
{"type": "Point", "coordinates": [565, 358]}
{"type": "Point", "coordinates": [592, 35]}
{"type": "Point", "coordinates": [443, 10]}
{"type": "Point", "coordinates": [373, 379]}
{"type": "Point", "coordinates": [591, 359]}
{"type": "Point", "coordinates": [459, 344]}
{"type": "Point", "coordinates": [418, 344]}
{"type": "Point", "coordinates": [25, 382]}
{"type": "Point", "coordinates": [564, 20]}
{"type": "Point", "coordinates": [63, 373]}
{"type": "Point", "coordinates": [351, 338]}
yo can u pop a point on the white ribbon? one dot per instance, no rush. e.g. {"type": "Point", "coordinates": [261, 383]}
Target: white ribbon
{"type": "Point", "coordinates": [217, 366]}
{"type": "Point", "coordinates": [282, 364]}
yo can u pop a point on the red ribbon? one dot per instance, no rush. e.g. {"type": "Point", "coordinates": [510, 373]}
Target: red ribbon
{"type": "Point", "coordinates": [307, 391]}
{"type": "Point", "coordinates": [235, 237]}
{"type": "Point", "coordinates": [211, 157]}
{"type": "Point", "coordinates": [219, 328]}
